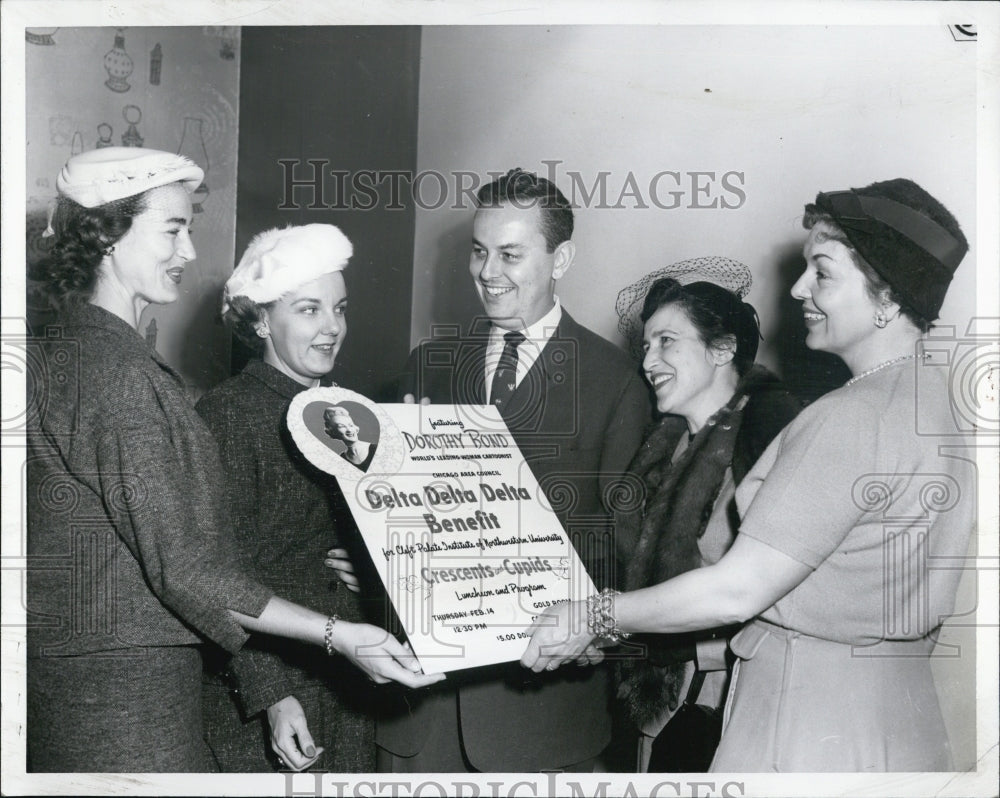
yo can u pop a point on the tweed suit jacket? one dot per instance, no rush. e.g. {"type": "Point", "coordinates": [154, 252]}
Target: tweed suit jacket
{"type": "Point", "coordinates": [286, 515]}
{"type": "Point", "coordinates": [578, 416]}
{"type": "Point", "coordinates": [129, 538]}
{"type": "Point", "coordinates": [283, 510]}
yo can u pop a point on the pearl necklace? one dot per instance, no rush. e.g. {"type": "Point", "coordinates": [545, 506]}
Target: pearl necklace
{"type": "Point", "coordinates": [879, 367]}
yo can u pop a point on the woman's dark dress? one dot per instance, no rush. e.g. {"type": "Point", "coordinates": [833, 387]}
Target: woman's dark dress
{"type": "Point", "coordinates": [284, 513]}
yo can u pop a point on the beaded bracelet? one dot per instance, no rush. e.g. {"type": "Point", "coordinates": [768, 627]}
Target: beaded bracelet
{"type": "Point", "coordinates": [328, 634]}
{"type": "Point", "coordinates": [601, 616]}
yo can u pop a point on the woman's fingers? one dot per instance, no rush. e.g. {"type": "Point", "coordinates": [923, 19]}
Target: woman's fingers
{"type": "Point", "coordinates": [532, 654]}
{"type": "Point", "coordinates": [591, 655]}
{"type": "Point", "coordinates": [295, 760]}
{"type": "Point", "coordinates": [540, 631]}
{"type": "Point", "coordinates": [338, 560]}
{"type": "Point", "coordinates": [402, 666]}
{"type": "Point", "coordinates": [407, 658]}
{"type": "Point", "coordinates": [392, 670]}
{"type": "Point", "coordinates": [555, 639]}
{"type": "Point", "coordinates": [380, 655]}
{"type": "Point", "coordinates": [305, 743]}
{"type": "Point", "coordinates": [290, 736]}
{"type": "Point", "coordinates": [344, 572]}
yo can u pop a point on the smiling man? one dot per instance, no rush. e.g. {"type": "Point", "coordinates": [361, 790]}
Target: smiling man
{"type": "Point", "coordinates": [576, 406]}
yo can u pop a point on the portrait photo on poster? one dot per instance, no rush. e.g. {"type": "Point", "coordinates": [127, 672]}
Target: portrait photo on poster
{"type": "Point", "coordinates": [344, 433]}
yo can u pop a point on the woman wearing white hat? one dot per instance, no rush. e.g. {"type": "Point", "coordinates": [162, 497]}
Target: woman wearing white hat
{"type": "Point", "coordinates": [287, 301]}
{"type": "Point", "coordinates": [132, 567]}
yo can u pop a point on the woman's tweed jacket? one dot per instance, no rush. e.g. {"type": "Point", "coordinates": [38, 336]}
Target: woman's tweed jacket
{"type": "Point", "coordinates": [129, 539]}
{"type": "Point", "coordinates": [285, 512]}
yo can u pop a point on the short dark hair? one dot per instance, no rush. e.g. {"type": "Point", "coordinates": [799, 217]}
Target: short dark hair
{"type": "Point", "coordinates": [82, 236]}
{"type": "Point", "coordinates": [243, 316]}
{"type": "Point", "coordinates": [875, 284]}
{"type": "Point", "coordinates": [719, 316]}
{"type": "Point", "coordinates": [525, 190]}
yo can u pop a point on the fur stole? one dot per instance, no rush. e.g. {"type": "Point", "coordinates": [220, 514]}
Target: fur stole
{"type": "Point", "coordinates": [680, 498]}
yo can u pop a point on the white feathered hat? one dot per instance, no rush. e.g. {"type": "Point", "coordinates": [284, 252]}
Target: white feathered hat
{"type": "Point", "coordinates": [100, 176]}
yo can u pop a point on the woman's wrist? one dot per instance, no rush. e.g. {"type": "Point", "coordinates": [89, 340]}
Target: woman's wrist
{"type": "Point", "coordinates": [601, 620]}
{"type": "Point", "coordinates": [340, 637]}
{"type": "Point", "coordinates": [328, 634]}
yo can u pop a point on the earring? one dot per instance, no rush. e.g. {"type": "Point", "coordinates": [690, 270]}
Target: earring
{"type": "Point", "coordinates": [880, 320]}
{"type": "Point", "coordinates": [262, 331]}
{"type": "Point", "coordinates": [108, 251]}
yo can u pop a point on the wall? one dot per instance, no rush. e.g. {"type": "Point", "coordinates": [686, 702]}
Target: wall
{"type": "Point", "coordinates": [179, 86]}
{"type": "Point", "coordinates": [346, 96]}
{"type": "Point", "coordinates": [795, 110]}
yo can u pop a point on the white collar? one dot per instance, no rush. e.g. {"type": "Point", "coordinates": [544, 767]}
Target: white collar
{"type": "Point", "coordinates": [540, 332]}
{"type": "Point", "coordinates": [536, 337]}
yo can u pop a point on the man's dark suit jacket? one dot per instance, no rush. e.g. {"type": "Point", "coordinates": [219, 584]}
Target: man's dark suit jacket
{"type": "Point", "coordinates": [578, 416]}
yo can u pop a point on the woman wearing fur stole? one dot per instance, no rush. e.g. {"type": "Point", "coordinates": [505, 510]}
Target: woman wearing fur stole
{"type": "Point", "coordinates": [720, 413]}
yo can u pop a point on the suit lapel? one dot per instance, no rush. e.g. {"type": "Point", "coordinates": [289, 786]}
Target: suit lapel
{"type": "Point", "coordinates": [469, 385]}
{"type": "Point", "coordinates": [472, 389]}
{"type": "Point", "coordinates": [544, 391]}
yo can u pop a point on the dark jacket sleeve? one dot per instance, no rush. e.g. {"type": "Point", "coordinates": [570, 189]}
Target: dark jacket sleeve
{"type": "Point", "coordinates": [422, 378]}
{"type": "Point", "coordinates": [622, 491]}
{"type": "Point", "coordinates": [407, 380]}
{"type": "Point", "coordinates": [632, 413]}
{"type": "Point", "coordinates": [261, 678]}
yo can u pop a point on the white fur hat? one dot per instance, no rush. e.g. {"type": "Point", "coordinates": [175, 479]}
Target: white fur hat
{"type": "Point", "coordinates": [97, 177]}
{"type": "Point", "coordinates": [278, 261]}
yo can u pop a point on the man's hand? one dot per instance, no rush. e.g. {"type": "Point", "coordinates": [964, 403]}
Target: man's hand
{"type": "Point", "coordinates": [290, 737]}
{"type": "Point", "coordinates": [338, 560]}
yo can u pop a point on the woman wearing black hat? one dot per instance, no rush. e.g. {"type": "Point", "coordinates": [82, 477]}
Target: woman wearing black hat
{"type": "Point", "coordinates": [841, 519]}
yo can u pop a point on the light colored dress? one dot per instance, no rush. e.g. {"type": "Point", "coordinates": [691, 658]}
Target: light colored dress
{"type": "Point", "coordinates": [871, 486]}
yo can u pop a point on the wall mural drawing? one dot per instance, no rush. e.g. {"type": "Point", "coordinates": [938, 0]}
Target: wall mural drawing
{"type": "Point", "coordinates": [193, 146]}
{"type": "Point", "coordinates": [61, 127]}
{"type": "Point", "coordinates": [104, 132]}
{"type": "Point", "coordinates": [131, 137]}
{"type": "Point", "coordinates": [40, 36]}
{"type": "Point", "coordinates": [118, 64]}
{"type": "Point", "coordinates": [155, 65]}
